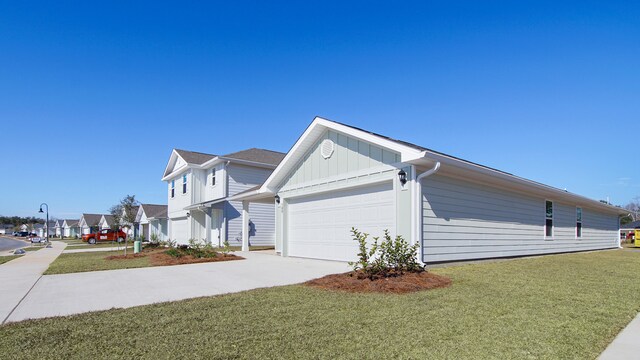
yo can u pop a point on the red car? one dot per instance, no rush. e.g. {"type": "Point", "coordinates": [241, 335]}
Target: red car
{"type": "Point", "coordinates": [104, 235]}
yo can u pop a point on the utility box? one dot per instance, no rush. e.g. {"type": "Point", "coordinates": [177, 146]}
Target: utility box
{"type": "Point", "coordinates": [637, 238]}
{"type": "Point", "coordinates": [137, 246]}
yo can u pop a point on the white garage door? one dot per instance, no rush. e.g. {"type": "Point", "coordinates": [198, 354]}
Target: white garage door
{"type": "Point", "coordinates": [319, 226]}
{"type": "Point", "coordinates": [180, 230]}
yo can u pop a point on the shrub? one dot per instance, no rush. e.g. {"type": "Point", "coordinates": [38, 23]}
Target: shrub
{"type": "Point", "coordinates": [173, 252]}
{"type": "Point", "coordinates": [388, 258]}
{"type": "Point", "coordinates": [226, 248]}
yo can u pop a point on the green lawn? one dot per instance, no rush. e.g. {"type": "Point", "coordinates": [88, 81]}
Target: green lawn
{"type": "Point", "coordinates": [93, 261]}
{"type": "Point", "coordinates": [4, 259]}
{"type": "Point", "coordinates": [554, 307]}
{"type": "Point", "coordinates": [33, 248]}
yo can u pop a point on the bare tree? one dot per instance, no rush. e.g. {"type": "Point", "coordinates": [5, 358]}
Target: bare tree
{"type": "Point", "coordinates": [634, 208]}
{"type": "Point", "coordinates": [123, 213]}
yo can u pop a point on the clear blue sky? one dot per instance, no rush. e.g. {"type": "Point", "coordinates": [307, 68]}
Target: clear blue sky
{"type": "Point", "coordinates": [93, 96]}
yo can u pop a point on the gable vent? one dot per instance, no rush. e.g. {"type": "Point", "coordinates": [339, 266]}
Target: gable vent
{"type": "Point", "coordinates": [326, 148]}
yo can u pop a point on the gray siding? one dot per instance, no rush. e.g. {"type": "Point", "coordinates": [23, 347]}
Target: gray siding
{"type": "Point", "coordinates": [241, 177]}
{"type": "Point", "coordinates": [464, 220]}
{"type": "Point", "coordinates": [262, 217]}
{"type": "Point", "coordinates": [350, 155]}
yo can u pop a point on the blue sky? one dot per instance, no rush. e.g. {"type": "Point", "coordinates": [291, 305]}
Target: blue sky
{"type": "Point", "coordinates": [93, 96]}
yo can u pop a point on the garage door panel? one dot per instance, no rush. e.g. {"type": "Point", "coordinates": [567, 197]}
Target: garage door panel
{"type": "Point", "coordinates": [179, 230]}
{"type": "Point", "coordinates": [320, 225]}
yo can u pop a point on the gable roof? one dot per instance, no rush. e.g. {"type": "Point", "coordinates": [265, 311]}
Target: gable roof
{"type": "Point", "coordinates": [154, 211]}
{"type": "Point", "coordinates": [256, 155]}
{"type": "Point", "coordinates": [418, 156]}
{"type": "Point", "coordinates": [631, 225]}
{"type": "Point", "coordinates": [71, 222]}
{"type": "Point", "coordinates": [108, 219]}
{"type": "Point", "coordinates": [91, 219]}
{"type": "Point", "coordinates": [194, 157]}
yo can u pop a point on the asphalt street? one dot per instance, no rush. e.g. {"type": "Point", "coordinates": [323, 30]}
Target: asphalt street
{"type": "Point", "coordinates": [10, 244]}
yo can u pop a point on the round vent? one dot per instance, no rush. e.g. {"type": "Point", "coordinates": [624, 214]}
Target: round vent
{"type": "Point", "coordinates": [326, 148]}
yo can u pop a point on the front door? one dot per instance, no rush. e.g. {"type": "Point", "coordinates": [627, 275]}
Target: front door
{"type": "Point", "coordinates": [216, 227]}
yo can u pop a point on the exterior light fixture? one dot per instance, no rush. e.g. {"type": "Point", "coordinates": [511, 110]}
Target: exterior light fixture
{"type": "Point", "coordinates": [188, 214]}
{"type": "Point", "coordinates": [277, 199]}
{"type": "Point", "coordinates": [402, 175]}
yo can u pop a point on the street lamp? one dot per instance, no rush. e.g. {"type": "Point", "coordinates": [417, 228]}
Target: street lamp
{"type": "Point", "coordinates": [46, 224]}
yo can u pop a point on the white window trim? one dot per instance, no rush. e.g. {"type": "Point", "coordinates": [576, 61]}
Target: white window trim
{"type": "Point", "coordinates": [579, 221]}
{"type": "Point", "coordinates": [553, 221]}
{"type": "Point", "coordinates": [185, 181]}
{"type": "Point", "coordinates": [214, 175]}
{"type": "Point", "coordinates": [172, 189]}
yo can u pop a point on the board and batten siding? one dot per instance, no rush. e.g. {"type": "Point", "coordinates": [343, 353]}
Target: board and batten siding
{"type": "Point", "coordinates": [241, 177]}
{"type": "Point", "coordinates": [464, 220]}
{"type": "Point", "coordinates": [349, 155]}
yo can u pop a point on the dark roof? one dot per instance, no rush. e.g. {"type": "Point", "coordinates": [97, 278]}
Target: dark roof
{"type": "Point", "coordinates": [92, 219]}
{"type": "Point", "coordinates": [155, 211]}
{"type": "Point", "coordinates": [72, 222]}
{"type": "Point", "coordinates": [631, 225]}
{"type": "Point", "coordinates": [110, 220]}
{"type": "Point", "coordinates": [421, 148]}
{"type": "Point", "coordinates": [193, 157]}
{"type": "Point", "coordinates": [262, 156]}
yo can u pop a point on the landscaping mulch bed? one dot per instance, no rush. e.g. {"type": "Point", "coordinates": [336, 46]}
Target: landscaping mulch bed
{"type": "Point", "coordinates": [396, 284]}
{"type": "Point", "coordinates": [158, 257]}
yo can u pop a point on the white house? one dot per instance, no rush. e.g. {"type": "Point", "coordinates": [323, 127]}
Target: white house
{"type": "Point", "coordinates": [6, 229]}
{"type": "Point", "coordinates": [152, 221]}
{"type": "Point", "coordinates": [106, 222]}
{"type": "Point", "coordinates": [336, 177]}
{"type": "Point", "coordinates": [59, 228]}
{"type": "Point", "coordinates": [198, 186]}
{"type": "Point", "coordinates": [89, 223]}
{"type": "Point", "coordinates": [71, 228]}
{"type": "Point", "coordinates": [41, 229]}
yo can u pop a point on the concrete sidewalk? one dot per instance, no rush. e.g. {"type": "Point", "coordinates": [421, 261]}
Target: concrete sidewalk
{"type": "Point", "coordinates": [626, 345]}
{"type": "Point", "coordinates": [18, 276]}
{"type": "Point", "coordinates": [66, 294]}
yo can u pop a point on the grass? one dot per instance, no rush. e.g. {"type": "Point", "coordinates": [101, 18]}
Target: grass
{"type": "Point", "coordinates": [33, 248]}
{"type": "Point", "coordinates": [93, 261]}
{"type": "Point", "coordinates": [5, 259]}
{"type": "Point", "coordinates": [553, 307]}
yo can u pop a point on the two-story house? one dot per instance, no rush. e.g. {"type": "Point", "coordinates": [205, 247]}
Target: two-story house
{"type": "Point", "coordinates": [198, 186]}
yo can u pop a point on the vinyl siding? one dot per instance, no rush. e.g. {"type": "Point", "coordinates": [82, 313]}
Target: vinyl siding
{"type": "Point", "coordinates": [464, 220]}
{"type": "Point", "coordinates": [262, 216]}
{"type": "Point", "coordinates": [350, 155]}
{"type": "Point", "coordinates": [241, 177]}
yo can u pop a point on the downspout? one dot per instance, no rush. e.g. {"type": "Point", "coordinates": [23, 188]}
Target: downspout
{"type": "Point", "coordinates": [419, 208]}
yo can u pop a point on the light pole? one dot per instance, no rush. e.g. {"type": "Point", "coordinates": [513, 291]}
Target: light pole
{"type": "Point", "coordinates": [46, 224]}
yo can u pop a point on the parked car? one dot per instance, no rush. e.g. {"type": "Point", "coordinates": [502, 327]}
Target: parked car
{"type": "Point", "coordinates": [15, 233]}
{"type": "Point", "coordinates": [104, 235]}
{"type": "Point", "coordinates": [37, 240]}
{"type": "Point", "coordinates": [23, 233]}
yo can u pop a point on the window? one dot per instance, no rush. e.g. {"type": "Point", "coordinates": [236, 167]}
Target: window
{"type": "Point", "coordinates": [548, 226]}
{"type": "Point", "coordinates": [184, 183]}
{"type": "Point", "coordinates": [173, 188]}
{"type": "Point", "coordinates": [213, 177]}
{"type": "Point", "coordinates": [578, 222]}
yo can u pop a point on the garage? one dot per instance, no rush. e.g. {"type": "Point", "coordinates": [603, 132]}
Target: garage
{"type": "Point", "coordinates": [180, 230]}
{"type": "Point", "coordinates": [319, 225]}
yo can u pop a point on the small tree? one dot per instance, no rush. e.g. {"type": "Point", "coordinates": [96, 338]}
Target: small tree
{"type": "Point", "coordinates": [123, 213]}
{"type": "Point", "coordinates": [634, 209]}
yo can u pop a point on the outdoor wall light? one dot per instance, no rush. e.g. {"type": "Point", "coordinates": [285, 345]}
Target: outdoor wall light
{"type": "Point", "coordinates": [402, 176]}
{"type": "Point", "coordinates": [277, 199]}
{"type": "Point", "coordinates": [188, 214]}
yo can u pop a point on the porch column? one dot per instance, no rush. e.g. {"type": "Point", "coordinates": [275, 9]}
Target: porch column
{"type": "Point", "coordinates": [207, 225]}
{"type": "Point", "coordinates": [245, 226]}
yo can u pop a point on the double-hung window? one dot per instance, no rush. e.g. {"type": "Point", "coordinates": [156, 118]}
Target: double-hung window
{"type": "Point", "coordinates": [184, 183]}
{"type": "Point", "coordinates": [213, 177]}
{"type": "Point", "coordinates": [173, 188]}
{"type": "Point", "coordinates": [578, 222]}
{"type": "Point", "coordinates": [548, 225]}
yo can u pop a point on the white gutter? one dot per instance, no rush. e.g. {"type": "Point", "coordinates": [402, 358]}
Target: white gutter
{"type": "Point", "coordinates": [419, 208]}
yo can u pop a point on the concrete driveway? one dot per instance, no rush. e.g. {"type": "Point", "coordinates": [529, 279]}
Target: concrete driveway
{"type": "Point", "coordinates": [56, 295]}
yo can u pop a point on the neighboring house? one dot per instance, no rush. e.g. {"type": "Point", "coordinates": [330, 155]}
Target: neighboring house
{"type": "Point", "coordinates": [130, 229]}
{"type": "Point", "coordinates": [71, 228]}
{"type": "Point", "coordinates": [198, 187]}
{"type": "Point", "coordinates": [6, 229]}
{"type": "Point", "coordinates": [152, 220]}
{"type": "Point", "coordinates": [628, 228]}
{"type": "Point", "coordinates": [59, 228]}
{"type": "Point", "coordinates": [25, 227]}
{"type": "Point", "coordinates": [41, 229]}
{"type": "Point", "coordinates": [89, 223]}
{"type": "Point", "coordinates": [336, 177]}
{"type": "Point", "coordinates": [106, 222]}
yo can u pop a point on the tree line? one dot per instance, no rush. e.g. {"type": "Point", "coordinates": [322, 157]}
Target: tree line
{"type": "Point", "coordinates": [19, 220]}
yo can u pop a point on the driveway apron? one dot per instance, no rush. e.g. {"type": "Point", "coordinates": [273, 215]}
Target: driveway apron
{"type": "Point", "coordinates": [66, 294]}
